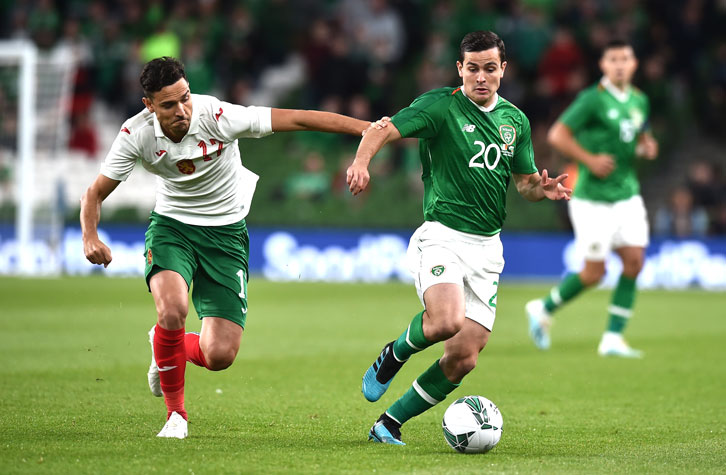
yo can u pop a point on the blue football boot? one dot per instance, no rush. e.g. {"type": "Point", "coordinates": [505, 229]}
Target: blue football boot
{"type": "Point", "coordinates": [540, 322]}
{"type": "Point", "coordinates": [386, 431]}
{"type": "Point", "coordinates": [380, 374]}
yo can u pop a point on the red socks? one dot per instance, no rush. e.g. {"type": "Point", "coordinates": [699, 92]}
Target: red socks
{"type": "Point", "coordinates": [193, 351]}
{"type": "Point", "coordinates": [170, 354]}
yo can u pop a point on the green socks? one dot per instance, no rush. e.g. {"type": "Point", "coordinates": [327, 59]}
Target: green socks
{"type": "Point", "coordinates": [570, 286]}
{"type": "Point", "coordinates": [621, 307]}
{"type": "Point", "coordinates": [412, 340]}
{"type": "Point", "coordinates": [429, 389]}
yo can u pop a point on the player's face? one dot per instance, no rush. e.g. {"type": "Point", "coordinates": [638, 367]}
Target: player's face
{"type": "Point", "coordinates": [619, 65]}
{"type": "Point", "coordinates": [482, 72]}
{"type": "Point", "coordinates": [173, 108]}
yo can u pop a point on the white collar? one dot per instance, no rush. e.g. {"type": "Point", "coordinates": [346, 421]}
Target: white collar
{"type": "Point", "coordinates": [621, 96]}
{"type": "Point", "coordinates": [193, 124]}
{"type": "Point", "coordinates": [482, 108]}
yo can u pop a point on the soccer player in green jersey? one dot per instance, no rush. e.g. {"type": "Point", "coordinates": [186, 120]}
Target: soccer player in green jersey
{"type": "Point", "coordinates": [604, 129]}
{"type": "Point", "coordinates": [471, 142]}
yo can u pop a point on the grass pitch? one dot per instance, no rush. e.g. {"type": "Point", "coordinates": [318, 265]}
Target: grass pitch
{"type": "Point", "coordinates": [74, 398]}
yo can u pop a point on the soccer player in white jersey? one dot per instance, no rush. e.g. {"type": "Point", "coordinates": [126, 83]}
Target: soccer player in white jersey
{"type": "Point", "coordinates": [197, 231]}
{"type": "Point", "coordinates": [605, 130]}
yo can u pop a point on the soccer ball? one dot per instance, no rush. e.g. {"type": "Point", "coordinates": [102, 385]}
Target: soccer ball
{"type": "Point", "coordinates": [472, 424]}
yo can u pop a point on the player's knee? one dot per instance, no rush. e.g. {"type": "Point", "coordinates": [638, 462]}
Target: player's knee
{"type": "Point", "coordinates": [172, 315]}
{"type": "Point", "coordinates": [467, 365]}
{"type": "Point", "coordinates": [219, 359]}
{"type": "Point", "coordinates": [632, 267]}
{"type": "Point", "coordinates": [461, 365]}
{"type": "Point", "coordinates": [590, 277]}
{"type": "Point", "coordinates": [445, 328]}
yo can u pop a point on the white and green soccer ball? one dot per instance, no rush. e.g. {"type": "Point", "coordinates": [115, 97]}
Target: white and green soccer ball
{"type": "Point", "coordinates": [472, 424]}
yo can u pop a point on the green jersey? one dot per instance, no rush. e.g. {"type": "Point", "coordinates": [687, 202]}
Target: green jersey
{"type": "Point", "coordinates": [604, 120]}
{"type": "Point", "coordinates": [468, 154]}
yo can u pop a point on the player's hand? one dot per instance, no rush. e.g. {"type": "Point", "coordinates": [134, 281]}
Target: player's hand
{"type": "Point", "coordinates": [647, 147]}
{"type": "Point", "coordinates": [357, 177]}
{"type": "Point", "coordinates": [97, 252]}
{"type": "Point", "coordinates": [601, 165]}
{"type": "Point", "coordinates": [553, 187]}
{"type": "Point", "coordinates": [381, 123]}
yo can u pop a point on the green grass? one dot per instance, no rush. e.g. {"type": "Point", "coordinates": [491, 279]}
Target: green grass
{"type": "Point", "coordinates": [74, 399]}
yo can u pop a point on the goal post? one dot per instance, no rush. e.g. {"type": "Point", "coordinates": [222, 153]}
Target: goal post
{"type": "Point", "coordinates": [25, 55]}
{"type": "Point", "coordinates": [35, 91]}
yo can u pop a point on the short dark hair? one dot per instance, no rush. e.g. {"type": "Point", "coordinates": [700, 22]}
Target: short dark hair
{"type": "Point", "coordinates": [159, 73]}
{"type": "Point", "coordinates": [614, 44]}
{"type": "Point", "coordinates": [480, 41]}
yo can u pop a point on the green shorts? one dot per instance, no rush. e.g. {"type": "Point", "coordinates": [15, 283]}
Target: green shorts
{"type": "Point", "coordinates": [212, 258]}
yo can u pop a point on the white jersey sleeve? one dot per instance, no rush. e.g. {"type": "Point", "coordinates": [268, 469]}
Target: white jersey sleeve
{"type": "Point", "coordinates": [234, 121]}
{"type": "Point", "coordinates": [123, 155]}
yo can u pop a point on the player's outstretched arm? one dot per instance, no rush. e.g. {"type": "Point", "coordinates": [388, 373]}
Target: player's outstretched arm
{"type": "Point", "coordinates": [561, 138]}
{"type": "Point", "coordinates": [357, 175]}
{"type": "Point", "coordinates": [94, 249]}
{"type": "Point", "coordinates": [288, 120]}
{"type": "Point", "coordinates": [535, 187]}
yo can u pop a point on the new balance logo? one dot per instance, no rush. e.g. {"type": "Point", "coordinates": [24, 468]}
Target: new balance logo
{"type": "Point", "coordinates": [166, 368]}
{"type": "Point", "coordinates": [468, 128]}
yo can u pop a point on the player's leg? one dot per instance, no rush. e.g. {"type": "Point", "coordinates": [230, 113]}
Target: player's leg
{"type": "Point", "coordinates": [436, 383]}
{"type": "Point", "coordinates": [630, 242]}
{"type": "Point", "coordinates": [461, 353]}
{"type": "Point", "coordinates": [621, 305]}
{"type": "Point", "coordinates": [594, 229]}
{"type": "Point", "coordinates": [219, 342]}
{"type": "Point", "coordinates": [480, 274]}
{"type": "Point", "coordinates": [153, 373]}
{"type": "Point", "coordinates": [220, 297]}
{"type": "Point", "coordinates": [216, 346]}
{"type": "Point", "coordinates": [443, 318]}
{"type": "Point", "coordinates": [169, 290]}
{"type": "Point", "coordinates": [436, 270]}
{"type": "Point", "coordinates": [170, 265]}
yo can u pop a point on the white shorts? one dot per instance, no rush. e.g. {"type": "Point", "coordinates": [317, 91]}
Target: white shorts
{"type": "Point", "coordinates": [601, 227]}
{"type": "Point", "coordinates": [438, 254]}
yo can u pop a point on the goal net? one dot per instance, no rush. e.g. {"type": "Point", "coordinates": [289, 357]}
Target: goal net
{"type": "Point", "coordinates": [35, 93]}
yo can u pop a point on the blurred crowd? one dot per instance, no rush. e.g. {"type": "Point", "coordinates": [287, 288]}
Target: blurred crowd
{"type": "Point", "coordinates": [369, 58]}
{"type": "Point", "coordinates": [696, 206]}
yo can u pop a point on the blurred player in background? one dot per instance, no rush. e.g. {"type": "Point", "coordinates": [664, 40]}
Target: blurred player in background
{"type": "Point", "coordinates": [197, 231]}
{"type": "Point", "coordinates": [604, 129]}
{"type": "Point", "coordinates": [471, 142]}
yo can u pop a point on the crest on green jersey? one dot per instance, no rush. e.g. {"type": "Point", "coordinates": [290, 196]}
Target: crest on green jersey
{"type": "Point", "coordinates": [637, 117]}
{"type": "Point", "coordinates": [437, 270]}
{"type": "Point", "coordinates": [508, 134]}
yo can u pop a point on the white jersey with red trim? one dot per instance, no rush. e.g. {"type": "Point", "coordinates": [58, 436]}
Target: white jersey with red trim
{"type": "Point", "coordinates": [200, 180]}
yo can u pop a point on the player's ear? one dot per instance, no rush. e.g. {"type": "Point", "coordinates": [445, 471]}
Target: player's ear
{"type": "Point", "coordinates": [147, 102]}
{"type": "Point", "coordinates": [504, 66]}
{"type": "Point", "coordinates": [460, 67]}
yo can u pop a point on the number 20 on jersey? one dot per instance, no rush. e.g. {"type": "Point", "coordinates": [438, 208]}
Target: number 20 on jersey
{"type": "Point", "coordinates": [482, 158]}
